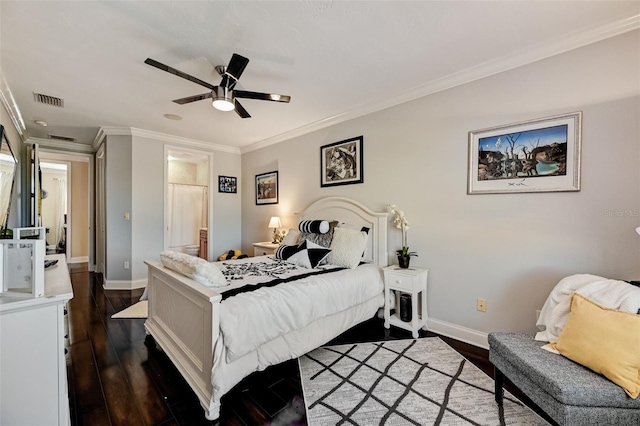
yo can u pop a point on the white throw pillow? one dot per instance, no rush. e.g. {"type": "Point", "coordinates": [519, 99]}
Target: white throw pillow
{"type": "Point", "coordinates": [291, 239]}
{"type": "Point", "coordinates": [347, 247]}
{"type": "Point", "coordinates": [197, 269]}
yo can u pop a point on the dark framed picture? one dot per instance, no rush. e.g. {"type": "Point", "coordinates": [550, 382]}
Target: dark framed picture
{"type": "Point", "coordinates": [228, 184]}
{"type": "Point", "coordinates": [341, 162]}
{"type": "Point", "coordinates": [267, 188]}
{"type": "Point", "coordinates": [541, 155]}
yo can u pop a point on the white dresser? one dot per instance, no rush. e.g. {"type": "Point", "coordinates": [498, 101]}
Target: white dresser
{"type": "Point", "coordinates": [33, 369]}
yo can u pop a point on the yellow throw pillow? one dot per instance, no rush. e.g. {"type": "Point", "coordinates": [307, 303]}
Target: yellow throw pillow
{"type": "Point", "coordinates": [605, 340]}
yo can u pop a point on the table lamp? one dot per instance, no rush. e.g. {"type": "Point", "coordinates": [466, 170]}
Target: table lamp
{"type": "Point", "coordinates": [275, 224]}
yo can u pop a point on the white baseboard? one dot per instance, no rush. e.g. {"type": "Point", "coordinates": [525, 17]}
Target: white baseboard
{"type": "Point", "coordinates": [464, 334]}
{"type": "Point", "coordinates": [81, 259]}
{"type": "Point", "coordinates": [124, 284]}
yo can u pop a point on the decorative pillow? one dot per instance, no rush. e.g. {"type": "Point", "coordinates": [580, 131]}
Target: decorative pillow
{"type": "Point", "coordinates": [291, 239]}
{"type": "Point", "coordinates": [284, 252]}
{"type": "Point", "coordinates": [353, 227]}
{"type": "Point", "coordinates": [310, 256]}
{"type": "Point", "coordinates": [347, 247]}
{"type": "Point", "coordinates": [314, 226]}
{"type": "Point", "coordinates": [604, 340]}
{"type": "Point", "coordinates": [197, 269]}
{"type": "Point", "coordinates": [356, 228]}
{"type": "Point", "coordinates": [323, 240]}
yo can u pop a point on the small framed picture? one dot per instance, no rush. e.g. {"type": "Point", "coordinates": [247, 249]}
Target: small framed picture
{"type": "Point", "coordinates": [267, 188]}
{"type": "Point", "coordinates": [228, 184]}
{"type": "Point", "coordinates": [541, 155]}
{"type": "Point", "coordinates": [341, 162]}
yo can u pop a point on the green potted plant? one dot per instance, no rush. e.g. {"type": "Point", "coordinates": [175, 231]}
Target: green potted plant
{"type": "Point", "coordinates": [404, 255]}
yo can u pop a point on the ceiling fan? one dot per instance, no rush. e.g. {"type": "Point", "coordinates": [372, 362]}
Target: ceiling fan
{"type": "Point", "coordinates": [224, 96]}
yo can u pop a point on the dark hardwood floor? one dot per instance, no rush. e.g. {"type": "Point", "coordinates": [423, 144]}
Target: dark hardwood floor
{"type": "Point", "coordinates": [118, 377]}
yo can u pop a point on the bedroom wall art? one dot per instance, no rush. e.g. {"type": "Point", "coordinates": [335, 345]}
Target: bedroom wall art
{"type": "Point", "coordinates": [267, 188]}
{"type": "Point", "coordinates": [341, 162]}
{"type": "Point", "coordinates": [541, 155]}
{"type": "Point", "coordinates": [228, 184]}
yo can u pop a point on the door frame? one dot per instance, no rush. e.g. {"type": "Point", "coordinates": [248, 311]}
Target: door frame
{"type": "Point", "coordinates": [67, 157]}
{"type": "Point", "coordinates": [100, 210]}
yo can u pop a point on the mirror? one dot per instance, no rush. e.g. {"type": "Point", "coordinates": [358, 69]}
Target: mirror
{"type": "Point", "coordinates": [8, 167]}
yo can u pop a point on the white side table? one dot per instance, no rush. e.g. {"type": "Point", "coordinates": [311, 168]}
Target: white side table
{"type": "Point", "coordinates": [412, 281]}
{"type": "Point", "coordinates": [264, 248]}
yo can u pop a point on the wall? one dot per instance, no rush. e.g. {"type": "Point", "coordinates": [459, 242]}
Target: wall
{"type": "Point", "coordinates": [510, 249]}
{"type": "Point", "coordinates": [135, 177]}
{"type": "Point", "coordinates": [79, 210]}
{"type": "Point", "coordinates": [188, 173]}
{"type": "Point", "coordinates": [118, 201]}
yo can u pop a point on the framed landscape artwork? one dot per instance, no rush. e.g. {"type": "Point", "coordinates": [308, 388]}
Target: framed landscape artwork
{"type": "Point", "coordinates": [541, 155]}
{"type": "Point", "coordinates": [267, 188]}
{"type": "Point", "coordinates": [341, 162]}
{"type": "Point", "coordinates": [228, 184]}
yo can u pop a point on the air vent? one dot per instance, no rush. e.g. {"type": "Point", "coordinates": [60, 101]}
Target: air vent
{"type": "Point", "coordinates": [62, 138]}
{"type": "Point", "coordinates": [48, 100]}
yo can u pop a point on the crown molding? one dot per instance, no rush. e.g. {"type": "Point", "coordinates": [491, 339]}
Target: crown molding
{"type": "Point", "coordinates": [132, 131]}
{"type": "Point", "coordinates": [61, 145]}
{"type": "Point", "coordinates": [487, 69]}
{"type": "Point", "coordinates": [11, 106]}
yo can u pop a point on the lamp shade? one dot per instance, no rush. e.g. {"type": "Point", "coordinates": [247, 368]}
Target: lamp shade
{"type": "Point", "coordinates": [275, 222]}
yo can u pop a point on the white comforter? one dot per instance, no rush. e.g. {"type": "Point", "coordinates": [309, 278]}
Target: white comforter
{"type": "Point", "coordinates": [248, 320]}
{"type": "Point", "coordinates": [608, 293]}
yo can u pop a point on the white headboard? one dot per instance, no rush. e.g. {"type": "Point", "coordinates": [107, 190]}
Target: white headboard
{"type": "Point", "coordinates": [352, 212]}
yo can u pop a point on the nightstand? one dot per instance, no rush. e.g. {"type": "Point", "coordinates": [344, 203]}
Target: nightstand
{"type": "Point", "coordinates": [412, 281]}
{"type": "Point", "coordinates": [262, 249]}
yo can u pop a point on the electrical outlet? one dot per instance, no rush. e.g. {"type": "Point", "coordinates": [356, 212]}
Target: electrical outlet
{"type": "Point", "coordinates": [126, 216]}
{"type": "Point", "coordinates": [126, 264]}
{"type": "Point", "coordinates": [482, 305]}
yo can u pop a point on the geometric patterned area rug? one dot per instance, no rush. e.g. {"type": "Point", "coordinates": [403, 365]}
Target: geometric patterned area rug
{"type": "Point", "coordinates": [138, 310]}
{"type": "Point", "coordinates": [402, 382]}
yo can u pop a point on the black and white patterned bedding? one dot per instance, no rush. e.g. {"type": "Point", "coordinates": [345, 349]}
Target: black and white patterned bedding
{"type": "Point", "coordinates": [278, 271]}
{"type": "Point", "coordinates": [268, 298]}
{"type": "Point", "coordinates": [254, 272]}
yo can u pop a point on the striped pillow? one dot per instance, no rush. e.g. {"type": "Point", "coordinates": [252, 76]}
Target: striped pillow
{"type": "Point", "coordinates": [314, 226]}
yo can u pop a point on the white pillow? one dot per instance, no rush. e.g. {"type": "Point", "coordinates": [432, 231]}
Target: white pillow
{"type": "Point", "coordinates": [197, 269]}
{"type": "Point", "coordinates": [291, 239]}
{"type": "Point", "coordinates": [347, 247]}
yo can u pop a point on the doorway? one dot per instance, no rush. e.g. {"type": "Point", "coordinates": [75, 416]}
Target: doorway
{"type": "Point", "coordinates": [54, 204]}
{"type": "Point", "coordinates": [66, 210]}
{"type": "Point", "coordinates": [187, 201]}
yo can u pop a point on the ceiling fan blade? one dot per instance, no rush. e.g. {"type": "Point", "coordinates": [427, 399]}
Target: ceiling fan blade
{"type": "Point", "coordinates": [261, 96]}
{"type": "Point", "coordinates": [241, 111]}
{"type": "Point", "coordinates": [179, 73]}
{"type": "Point", "coordinates": [234, 70]}
{"type": "Point", "coordinates": [193, 98]}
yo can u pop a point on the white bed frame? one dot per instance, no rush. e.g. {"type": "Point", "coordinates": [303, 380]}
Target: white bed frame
{"type": "Point", "coordinates": [184, 316]}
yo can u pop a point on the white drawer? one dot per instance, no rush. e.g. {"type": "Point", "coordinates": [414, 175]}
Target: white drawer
{"type": "Point", "coordinates": [400, 281]}
{"type": "Point", "coordinates": [257, 251]}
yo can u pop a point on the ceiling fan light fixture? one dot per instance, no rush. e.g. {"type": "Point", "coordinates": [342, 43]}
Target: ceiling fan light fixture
{"type": "Point", "coordinates": [223, 99]}
{"type": "Point", "coordinates": [223, 104]}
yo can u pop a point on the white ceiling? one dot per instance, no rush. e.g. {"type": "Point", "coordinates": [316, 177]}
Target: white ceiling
{"type": "Point", "coordinates": [337, 60]}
